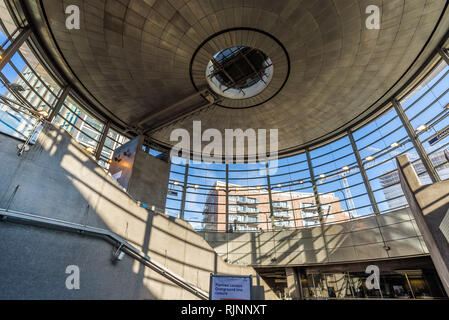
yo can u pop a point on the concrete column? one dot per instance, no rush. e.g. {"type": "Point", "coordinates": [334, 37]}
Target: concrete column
{"type": "Point", "coordinates": [270, 198]}
{"type": "Point", "coordinates": [227, 199]}
{"type": "Point", "coordinates": [315, 189]}
{"type": "Point", "coordinates": [429, 204]}
{"type": "Point", "coordinates": [293, 284]}
{"type": "Point", "coordinates": [369, 190]}
{"type": "Point", "coordinates": [372, 199]}
{"type": "Point", "coordinates": [184, 190]}
{"type": "Point", "coordinates": [59, 104]}
{"type": "Point", "coordinates": [317, 200]}
{"type": "Point", "coordinates": [100, 145]}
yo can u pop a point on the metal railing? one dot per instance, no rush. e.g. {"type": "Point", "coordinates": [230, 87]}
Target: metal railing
{"type": "Point", "coordinates": [45, 222]}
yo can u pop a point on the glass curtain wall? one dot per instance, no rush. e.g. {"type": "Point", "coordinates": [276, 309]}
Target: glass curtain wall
{"type": "Point", "coordinates": [25, 83]}
{"type": "Point", "coordinates": [351, 177]}
{"type": "Point", "coordinates": [22, 84]}
{"type": "Point", "coordinates": [427, 108]}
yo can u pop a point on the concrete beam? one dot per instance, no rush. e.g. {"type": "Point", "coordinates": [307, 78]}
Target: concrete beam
{"type": "Point", "coordinates": [154, 115]}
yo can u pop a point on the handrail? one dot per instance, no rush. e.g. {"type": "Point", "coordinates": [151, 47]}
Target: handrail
{"type": "Point", "coordinates": [40, 221]}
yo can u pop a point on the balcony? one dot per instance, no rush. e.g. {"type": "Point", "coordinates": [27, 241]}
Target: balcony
{"type": "Point", "coordinates": [243, 219]}
{"type": "Point", "coordinates": [284, 224]}
{"type": "Point", "coordinates": [283, 214]}
{"type": "Point", "coordinates": [309, 207]}
{"type": "Point", "coordinates": [281, 205]}
{"type": "Point", "coordinates": [244, 200]}
{"type": "Point", "coordinates": [247, 209]}
{"type": "Point", "coordinates": [243, 209]}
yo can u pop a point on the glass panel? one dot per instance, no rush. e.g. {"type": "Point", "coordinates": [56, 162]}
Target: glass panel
{"type": "Point", "coordinates": [249, 205]}
{"type": "Point", "coordinates": [428, 110]}
{"type": "Point", "coordinates": [379, 142]}
{"type": "Point", "coordinates": [342, 193]}
{"type": "Point", "coordinates": [15, 120]}
{"type": "Point", "coordinates": [81, 125]}
{"type": "Point", "coordinates": [112, 141]}
{"type": "Point", "coordinates": [176, 187]}
{"type": "Point", "coordinates": [292, 193]}
{"type": "Point", "coordinates": [205, 206]}
{"type": "Point", "coordinates": [22, 86]}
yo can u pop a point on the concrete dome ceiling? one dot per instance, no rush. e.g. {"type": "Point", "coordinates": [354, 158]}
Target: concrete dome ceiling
{"type": "Point", "coordinates": [134, 58]}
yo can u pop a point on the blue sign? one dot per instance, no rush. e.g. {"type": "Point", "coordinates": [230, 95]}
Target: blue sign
{"type": "Point", "coordinates": [440, 135]}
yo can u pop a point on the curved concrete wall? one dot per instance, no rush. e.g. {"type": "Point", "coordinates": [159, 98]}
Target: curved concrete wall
{"type": "Point", "coordinates": [358, 240]}
{"type": "Point", "coordinates": [57, 179]}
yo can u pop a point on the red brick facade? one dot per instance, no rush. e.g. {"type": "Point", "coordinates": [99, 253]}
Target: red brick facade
{"type": "Point", "coordinates": [250, 209]}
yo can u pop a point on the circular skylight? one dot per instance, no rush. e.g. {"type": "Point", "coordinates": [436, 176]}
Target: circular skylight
{"type": "Point", "coordinates": [239, 72]}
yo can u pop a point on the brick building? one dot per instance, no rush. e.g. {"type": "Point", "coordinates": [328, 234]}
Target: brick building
{"type": "Point", "coordinates": [249, 209]}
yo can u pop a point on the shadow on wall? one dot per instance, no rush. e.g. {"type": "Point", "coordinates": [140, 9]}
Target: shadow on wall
{"type": "Point", "coordinates": [57, 179]}
{"type": "Point", "coordinates": [389, 235]}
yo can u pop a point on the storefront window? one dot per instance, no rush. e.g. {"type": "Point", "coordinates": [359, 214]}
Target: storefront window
{"type": "Point", "coordinates": [409, 284]}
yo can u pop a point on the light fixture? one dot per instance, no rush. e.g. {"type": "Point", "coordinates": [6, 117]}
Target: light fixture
{"type": "Point", "coordinates": [175, 183]}
{"type": "Point", "coordinates": [196, 186]}
{"type": "Point", "coordinates": [345, 168]}
{"type": "Point", "coordinates": [279, 185]}
{"type": "Point", "coordinates": [90, 149]}
{"type": "Point", "coordinates": [43, 113]}
{"type": "Point", "coordinates": [209, 97]}
{"type": "Point", "coordinates": [369, 158]}
{"type": "Point", "coordinates": [322, 175]}
{"type": "Point", "coordinates": [121, 256]}
{"type": "Point", "coordinates": [118, 255]}
{"type": "Point", "coordinates": [394, 145]}
{"type": "Point", "coordinates": [301, 182]}
{"type": "Point", "coordinates": [421, 128]}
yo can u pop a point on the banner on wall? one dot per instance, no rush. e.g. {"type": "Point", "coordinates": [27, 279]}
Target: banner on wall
{"type": "Point", "coordinates": [230, 287]}
{"type": "Point", "coordinates": [122, 163]}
